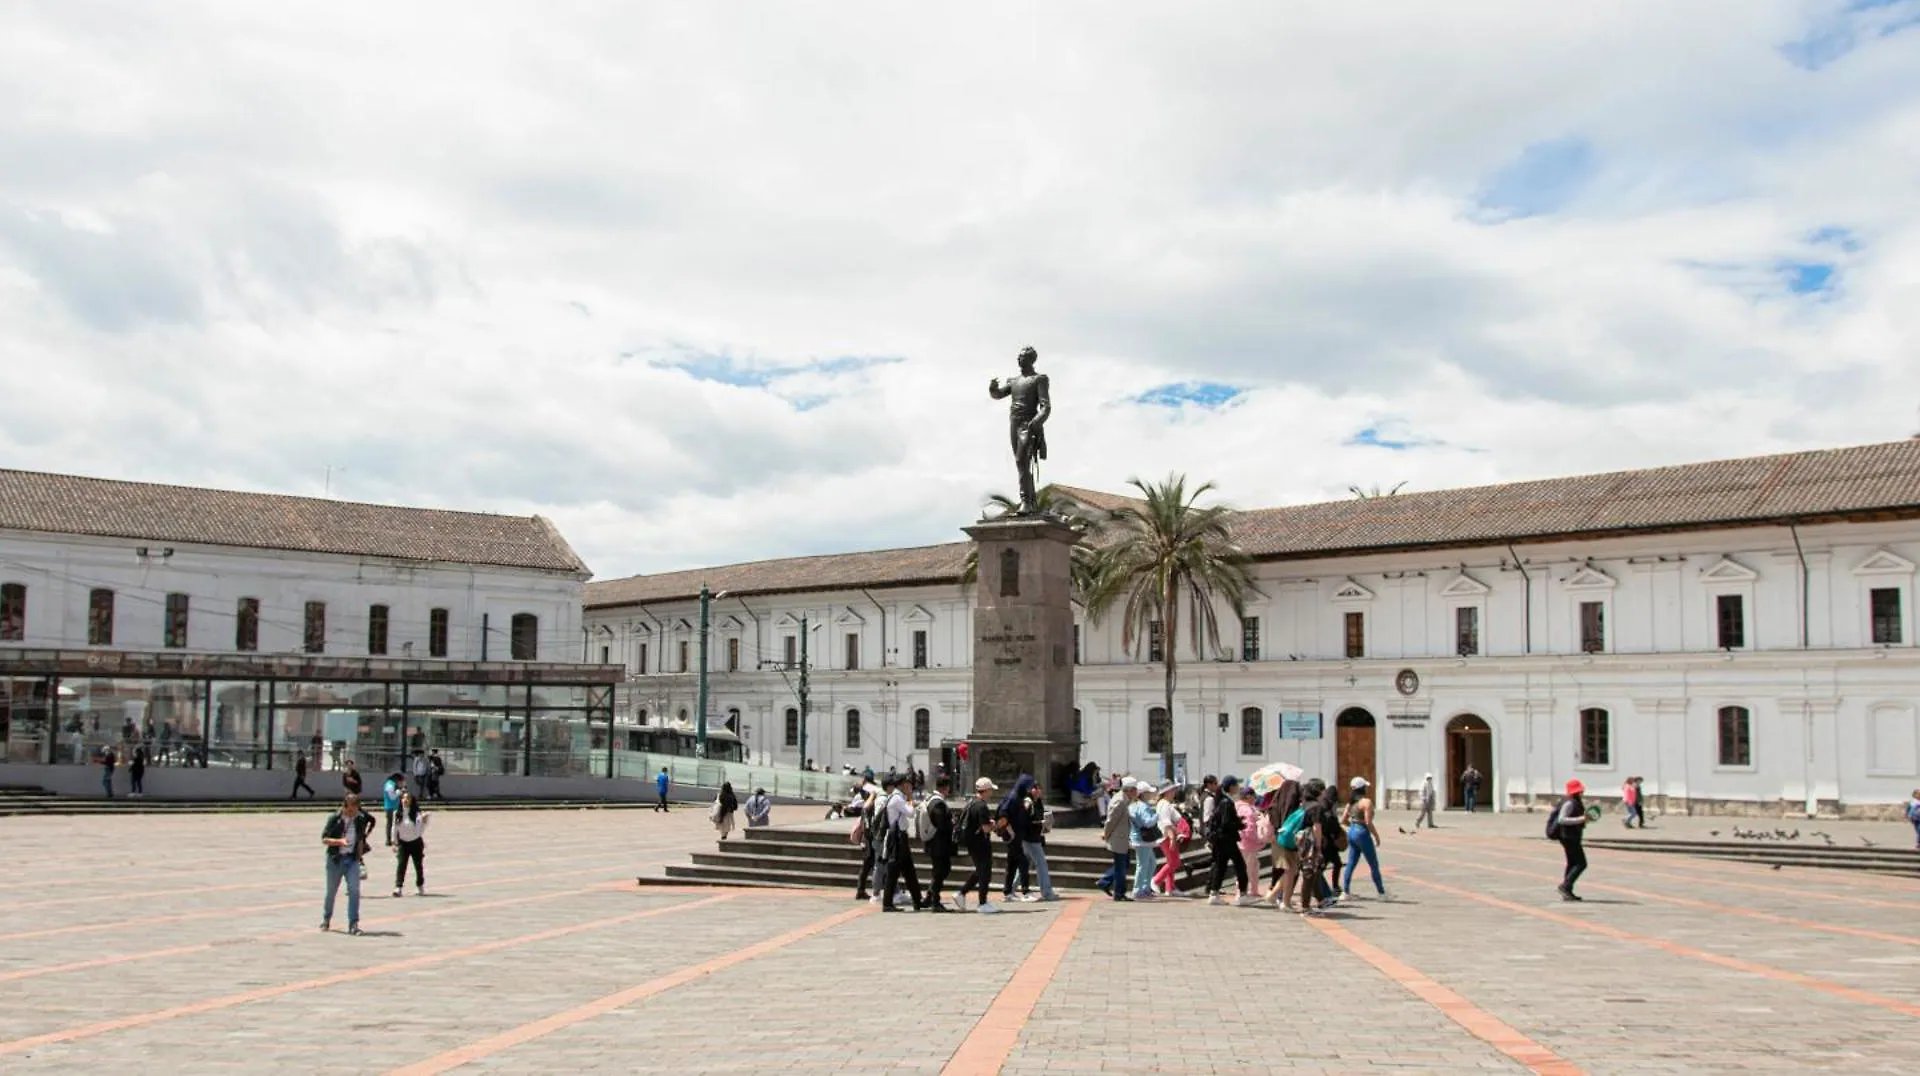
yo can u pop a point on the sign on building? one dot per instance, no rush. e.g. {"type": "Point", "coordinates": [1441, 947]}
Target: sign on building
{"type": "Point", "coordinates": [1296, 725]}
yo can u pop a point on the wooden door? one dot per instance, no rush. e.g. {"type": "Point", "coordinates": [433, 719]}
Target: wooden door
{"type": "Point", "coordinates": [1353, 755]}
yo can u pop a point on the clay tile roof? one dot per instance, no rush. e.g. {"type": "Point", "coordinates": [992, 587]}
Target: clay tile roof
{"type": "Point", "coordinates": [138, 511]}
{"type": "Point", "coordinates": [1801, 486]}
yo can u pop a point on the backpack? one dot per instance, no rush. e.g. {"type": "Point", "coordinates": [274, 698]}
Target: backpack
{"type": "Point", "coordinates": [1289, 835]}
{"type": "Point", "coordinates": [1553, 821]}
{"type": "Point", "coordinates": [1182, 832]}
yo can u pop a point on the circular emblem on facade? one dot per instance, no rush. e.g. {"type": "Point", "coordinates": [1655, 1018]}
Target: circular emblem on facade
{"type": "Point", "coordinates": [1407, 682]}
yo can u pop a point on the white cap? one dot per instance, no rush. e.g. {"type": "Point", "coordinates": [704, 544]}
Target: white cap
{"type": "Point", "coordinates": [1359, 782]}
{"type": "Point", "coordinates": [1129, 783]}
{"type": "Point", "coordinates": [985, 784]}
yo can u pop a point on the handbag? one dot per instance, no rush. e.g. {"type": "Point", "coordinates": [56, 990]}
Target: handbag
{"type": "Point", "coordinates": [713, 812]}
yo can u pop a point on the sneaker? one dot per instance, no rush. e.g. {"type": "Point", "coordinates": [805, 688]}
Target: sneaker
{"type": "Point", "coordinates": [1046, 898]}
{"type": "Point", "coordinates": [1246, 900]}
{"type": "Point", "coordinates": [1219, 899]}
{"type": "Point", "coordinates": [937, 908]}
{"type": "Point", "coordinates": [325, 926]}
{"type": "Point", "coordinates": [1146, 894]}
{"type": "Point", "coordinates": [354, 929]}
{"type": "Point", "coordinates": [1104, 887]}
{"type": "Point", "coordinates": [420, 891]}
{"type": "Point", "coordinates": [989, 909]}
{"type": "Point", "coordinates": [960, 903]}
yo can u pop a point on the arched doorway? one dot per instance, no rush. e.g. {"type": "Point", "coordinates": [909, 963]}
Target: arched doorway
{"type": "Point", "coordinates": [1469, 741]}
{"type": "Point", "coordinates": [1353, 747]}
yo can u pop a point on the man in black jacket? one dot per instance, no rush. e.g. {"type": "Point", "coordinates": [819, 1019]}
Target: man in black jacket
{"type": "Point", "coordinates": [1223, 843]}
{"type": "Point", "coordinates": [939, 841]}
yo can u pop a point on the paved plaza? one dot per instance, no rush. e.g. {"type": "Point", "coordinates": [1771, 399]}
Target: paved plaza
{"type": "Point", "coordinates": [189, 943]}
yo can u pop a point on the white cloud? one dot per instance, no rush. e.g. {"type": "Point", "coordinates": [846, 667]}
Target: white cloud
{"type": "Point", "coordinates": [460, 253]}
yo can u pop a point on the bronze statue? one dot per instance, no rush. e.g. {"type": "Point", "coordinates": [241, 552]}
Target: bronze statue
{"type": "Point", "coordinates": [1027, 422]}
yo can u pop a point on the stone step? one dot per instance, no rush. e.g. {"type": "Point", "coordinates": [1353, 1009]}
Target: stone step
{"type": "Point", "coordinates": [1899, 862]}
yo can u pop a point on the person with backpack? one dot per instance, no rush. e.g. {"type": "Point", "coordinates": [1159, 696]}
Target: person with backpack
{"type": "Point", "coordinates": [1255, 833]}
{"type": "Point", "coordinates": [1012, 823]}
{"type": "Point", "coordinates": [1175, 832]}
{"type": "Point", "coordinates": [1223, 843]}
{"type": "Point", "coordinates": [1567, 824]}
{"type": "Point", "coordinates": [1361, 838]}
{"type": "Point", "coordinates": [973, 832]}
{"type": "Point", "coordinates": [1318, 833]}
{"type": "Point", "coordinates": [1913, 816]}
{"type": "Point", "coordinates": [1286, 843]}
{"type": "Point", "coordinates": [390, 800]}
{"type": "Point", "coordinates": [344, 837]}
{"type": "Point", "coordinates": [1143, 825]}
{"type": "Point", "coordinates": [1117, 834]}
{"type": "Point", "coordinates": [933, 825]}
{"type": "Point", "coordinates": [897, 847]}
{"type": "Point", "coordinates": [1280, 806]}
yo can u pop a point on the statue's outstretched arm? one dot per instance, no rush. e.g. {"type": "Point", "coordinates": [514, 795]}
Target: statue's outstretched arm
{"type": "Point", "coordinates": [997, 391]}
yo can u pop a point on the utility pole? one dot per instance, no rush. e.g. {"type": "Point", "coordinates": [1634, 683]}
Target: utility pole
{"type": "Point", "coordinates": [803, 691]}
{"type": "Point", "coordinates": [700, 721]}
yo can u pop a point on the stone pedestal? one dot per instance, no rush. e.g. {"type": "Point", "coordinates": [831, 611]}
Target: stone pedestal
{"type": "Point", "coordinates": [1023, 652]}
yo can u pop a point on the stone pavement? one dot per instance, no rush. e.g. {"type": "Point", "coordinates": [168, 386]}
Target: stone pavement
{"type": "Point", "coordinates": [190, 944]}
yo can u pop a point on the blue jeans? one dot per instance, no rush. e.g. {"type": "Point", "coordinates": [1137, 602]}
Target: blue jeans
{"type": "Point", "coordinates": [1116, 876]}
{"type": "Point", "coordinates": [1037, 866]}
{"type": "Point", "coordinates": [343, 868]}
{"type": "Point", "coordinates": [1143, 873]}
{"type": "Point", "coordinates": [106, 782]}
{"type": "Point", "coordinates": [1360, 843]}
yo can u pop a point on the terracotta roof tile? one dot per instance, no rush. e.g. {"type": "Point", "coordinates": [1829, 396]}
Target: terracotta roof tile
{"type": "Point", "coordinates": [1800, 485]}
{"type": "Point", "coordinates": [64, 504]}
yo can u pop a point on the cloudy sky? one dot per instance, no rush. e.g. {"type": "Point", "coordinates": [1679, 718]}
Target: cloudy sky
{"type": "Point", "coordinates": [718, 281]}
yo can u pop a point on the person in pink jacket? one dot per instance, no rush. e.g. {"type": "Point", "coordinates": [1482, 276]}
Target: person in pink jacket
{"type": "Point", "coordinates": [1255, 833]}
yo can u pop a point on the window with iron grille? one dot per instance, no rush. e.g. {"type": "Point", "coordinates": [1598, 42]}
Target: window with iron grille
{"type": "Point", "coordinates": [437, 633]}
{"type": "Point", "coordinates": [1356, 635]}
{"type": "Point", "coordinates": [246, 625]}
{"type": "Point", "coordinates": [733, 654]}
{"type": "Point", "coordinates": [175, 637]}
{"type": "Point", "coordinates": [1593, 627]}
{"type": "Point", "coordinates": [1253, 732]}
{"type": "Point", "coordinates": [853, 730]}
{"type": "Point", "coordinates": [1156, 641]}
{"type": "Point", "coordinates": [13, 612]}
{"type": "Point", "coordinates": [1466, 630]}
{"type": "Point", "coordinates": [100, 617]}
{"type": "Point", "coordinates": [1250, 638]}
{"type": "Point", "coordinates": [316, 628]}
{"type": "Point", "coordinates": [1730, 616]}
{"type": "Point", "coordinates": [919, 649]}
{"type": "Point", "coordinates": [922, 729]}
{"type": "Point", "coordinates": [1595, 738]}
{"type": "Point", "coordinates": [376, 629]}
{"type": "Point", "coordinates": [1159, 730]}
{"type": "Point", "coordinates": [1736, 736]}
{"type": "Point", "coordinates": [526, 637]}
{"type": "Point", "coordinates": [792, 737]}
{"type": "Point", "coordinates": [1886, 616]}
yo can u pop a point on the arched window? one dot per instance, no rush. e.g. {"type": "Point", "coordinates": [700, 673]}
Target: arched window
{"type": "Point", "coordinates": [13, 612]}
{"type": "Point", "coordinates": [1596, 738]}
{"type": "Point", "coordinates": [526, 637]}
{"type": "Point", "coordinates": [792, 737]}
{"type": "Point", "coordinates": [1736, 736]}
{"type": "Point", "coordinates": [853, 730]}
{"type": "Point", "coordinates": [1159, 731]}
{"type": "Point", "coordinates": [922, 729]}
{"type": "Point", "coordinates": [1253, 732]}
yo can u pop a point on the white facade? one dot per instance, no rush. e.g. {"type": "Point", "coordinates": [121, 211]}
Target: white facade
{"type": "Point", "coordinates": [1806, 704]}
{"type": "Point", "coordinates": [61, 573]}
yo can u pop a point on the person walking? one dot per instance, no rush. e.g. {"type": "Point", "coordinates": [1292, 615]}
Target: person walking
{"type": "Point", "coordinates": [436, 769]}
{"type": "Point", "coordinates": [1470, 786]}
{"type": "Point", "coordinates": [390, 790]}
{"type": "Point", "coordinates": [1013, 824]}
{"type": "Point", "coordinates": [1117, 832]}
{"type": "Point", "coordinates": [1635, 803]}
{"type": "Point", "coordinates": [1033, 841]}
{"type": "Point", "coordinates": [1568, 825]}
{"type": "Point", "coordinates": [1913, 816]}
{"type": "Point", "coordinates": [1286, 849]}
{"type": "Point", "coordinates": [421, 770]}
{"type": "Point", "coordinates": [863, 835]}
{"type": "Point", "coordinates": [300, 778]}
{"type": "Point", "coordinates": [410, 844]}
{"type": "Point", "coordinates": [1175, 831]}
{"type": "Point", "coordinates": [1330, 849]}
{"type": "Point", "coordinates": [759, 809]}
{"type": "Point", "coordinates": [1223, 843]}
{"type": "Point", "coordinates": [1255, 833]}
{"type": "Point", "coordinates": [897, 849]}
{"type": "Point", "coordinates": [1362, 838]}
{"type": "Point", "coordinates": [936, 836]}
{"type": "Point", "coordinates": [107, 762]}
{"type": "Point", "coordinates": [1429, 799]}
{"type": "Point", "coordinates": [1280, 806]}
{"type": "Point", "coordinates": [976, 822]}
{"type": "Point", "coordinates": [1318, 832]}
{"type": "Point", "coordinates": [661, 784]}
{"type": "Point", "coordinates": [137, 773]}
{"type": "Point", "coordinates": [350, 778]}
{"type": "Point", "coordinates": [344, 837]}
{"type": "Point", "coordinates": [724, 806]}
{"type": "Point", "coordinates": [1143, 840]}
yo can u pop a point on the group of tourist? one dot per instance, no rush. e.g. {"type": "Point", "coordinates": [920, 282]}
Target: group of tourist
{"type": "Point", "coordinates": [347, 837]}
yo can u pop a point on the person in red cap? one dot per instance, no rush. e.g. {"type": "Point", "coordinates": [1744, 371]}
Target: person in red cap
{"type": "Point", "coordinates": [1569, 823]}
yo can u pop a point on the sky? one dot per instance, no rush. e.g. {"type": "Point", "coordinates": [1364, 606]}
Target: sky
{"type": "Point", "coordinates": [721, 281]}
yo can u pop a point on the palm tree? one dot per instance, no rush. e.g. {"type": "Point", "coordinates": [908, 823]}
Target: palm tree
{"type": "Point", "coordinates": [1155, 556]}
{"type": "Point", "coordinates": [1375, 493]}
{"type": "Point", "coordinates": [1051, 503]}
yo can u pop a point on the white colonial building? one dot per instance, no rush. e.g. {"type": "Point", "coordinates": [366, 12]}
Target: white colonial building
{"type": "Point", "coordinates": [1739, 634]}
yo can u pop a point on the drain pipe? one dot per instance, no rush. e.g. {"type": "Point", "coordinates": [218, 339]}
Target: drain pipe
{"type": "Point", "coordinates": [883, 626]}
{"type": "Point", "coordinates": [1528, 644]}
{"type": "Point", "coordinates": [1806, 588]}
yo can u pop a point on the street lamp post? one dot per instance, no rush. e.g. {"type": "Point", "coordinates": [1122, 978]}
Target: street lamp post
{"type": "Point", "coordinates": [700, 718]}
{"type": "Point", "coordinates": [803, 691]}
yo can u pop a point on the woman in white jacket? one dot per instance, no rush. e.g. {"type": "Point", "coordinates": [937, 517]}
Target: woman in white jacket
{"type": "Point", "coordinates": [410, 843]}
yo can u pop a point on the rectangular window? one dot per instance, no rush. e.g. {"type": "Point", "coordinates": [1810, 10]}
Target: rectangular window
{"type": "Point", "coordinates": [1595, 743]}
{"type": "Point", "coordinates": [437, 633]}
{"type": "Point", "coordinates": [525, 637]}
{"type": "Point", "coordinates": [1736, 736]}
{"type": "Point", "coordinates": [13, 612]}
{"type": "Point", "coordinates": [919, 649]}
{"type": "Point", "coordinates": [606, 655]}
{"type": "Point", "coordinates": [1730, 616]}
{"type": "Point", "coordinates": [853, 730]}
{"type": "Point", "coordinates": [1253, 732]}
{"type": "Point", "coordinates": [316, 628]}
{"type": "Point", "coordinates": [641, 666]}
{"type": "Point", "coordinates": [792, 738]}
{"type": "Point", "coordinates": [1159, 730]}
{"type": "Point", "coordinates": [683, 656]}
{"type": "Point", "coordinates": [376, 629]}
{"type": "Point", "coordinates": [1466, 631]}
{"type": "Point", "coordinates": [790, 651]}
{"type": "Point", "coordinates": [100, 617]}
{"type": "Point", "coordinates": [1356, 635]}
{"type": "Point", "coordinates": [176, 632]}
{"type": "Point", "coordinates": [733, 654]}
{"type": "Point", "coordinates": [1886, 616]}
{"type": "Point", "coordinates": [853, 650]}
{"type": "Point", "coordinates": [1156, 641]}
{"type": "Point", "coordinates": [1250, 639]}
{"type": "Point", "coordinates": [246, 625]}
{"type": "Point", "coordinates": [1593, 627]}
{"type": "Point", "coordinates": [922, 729]}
